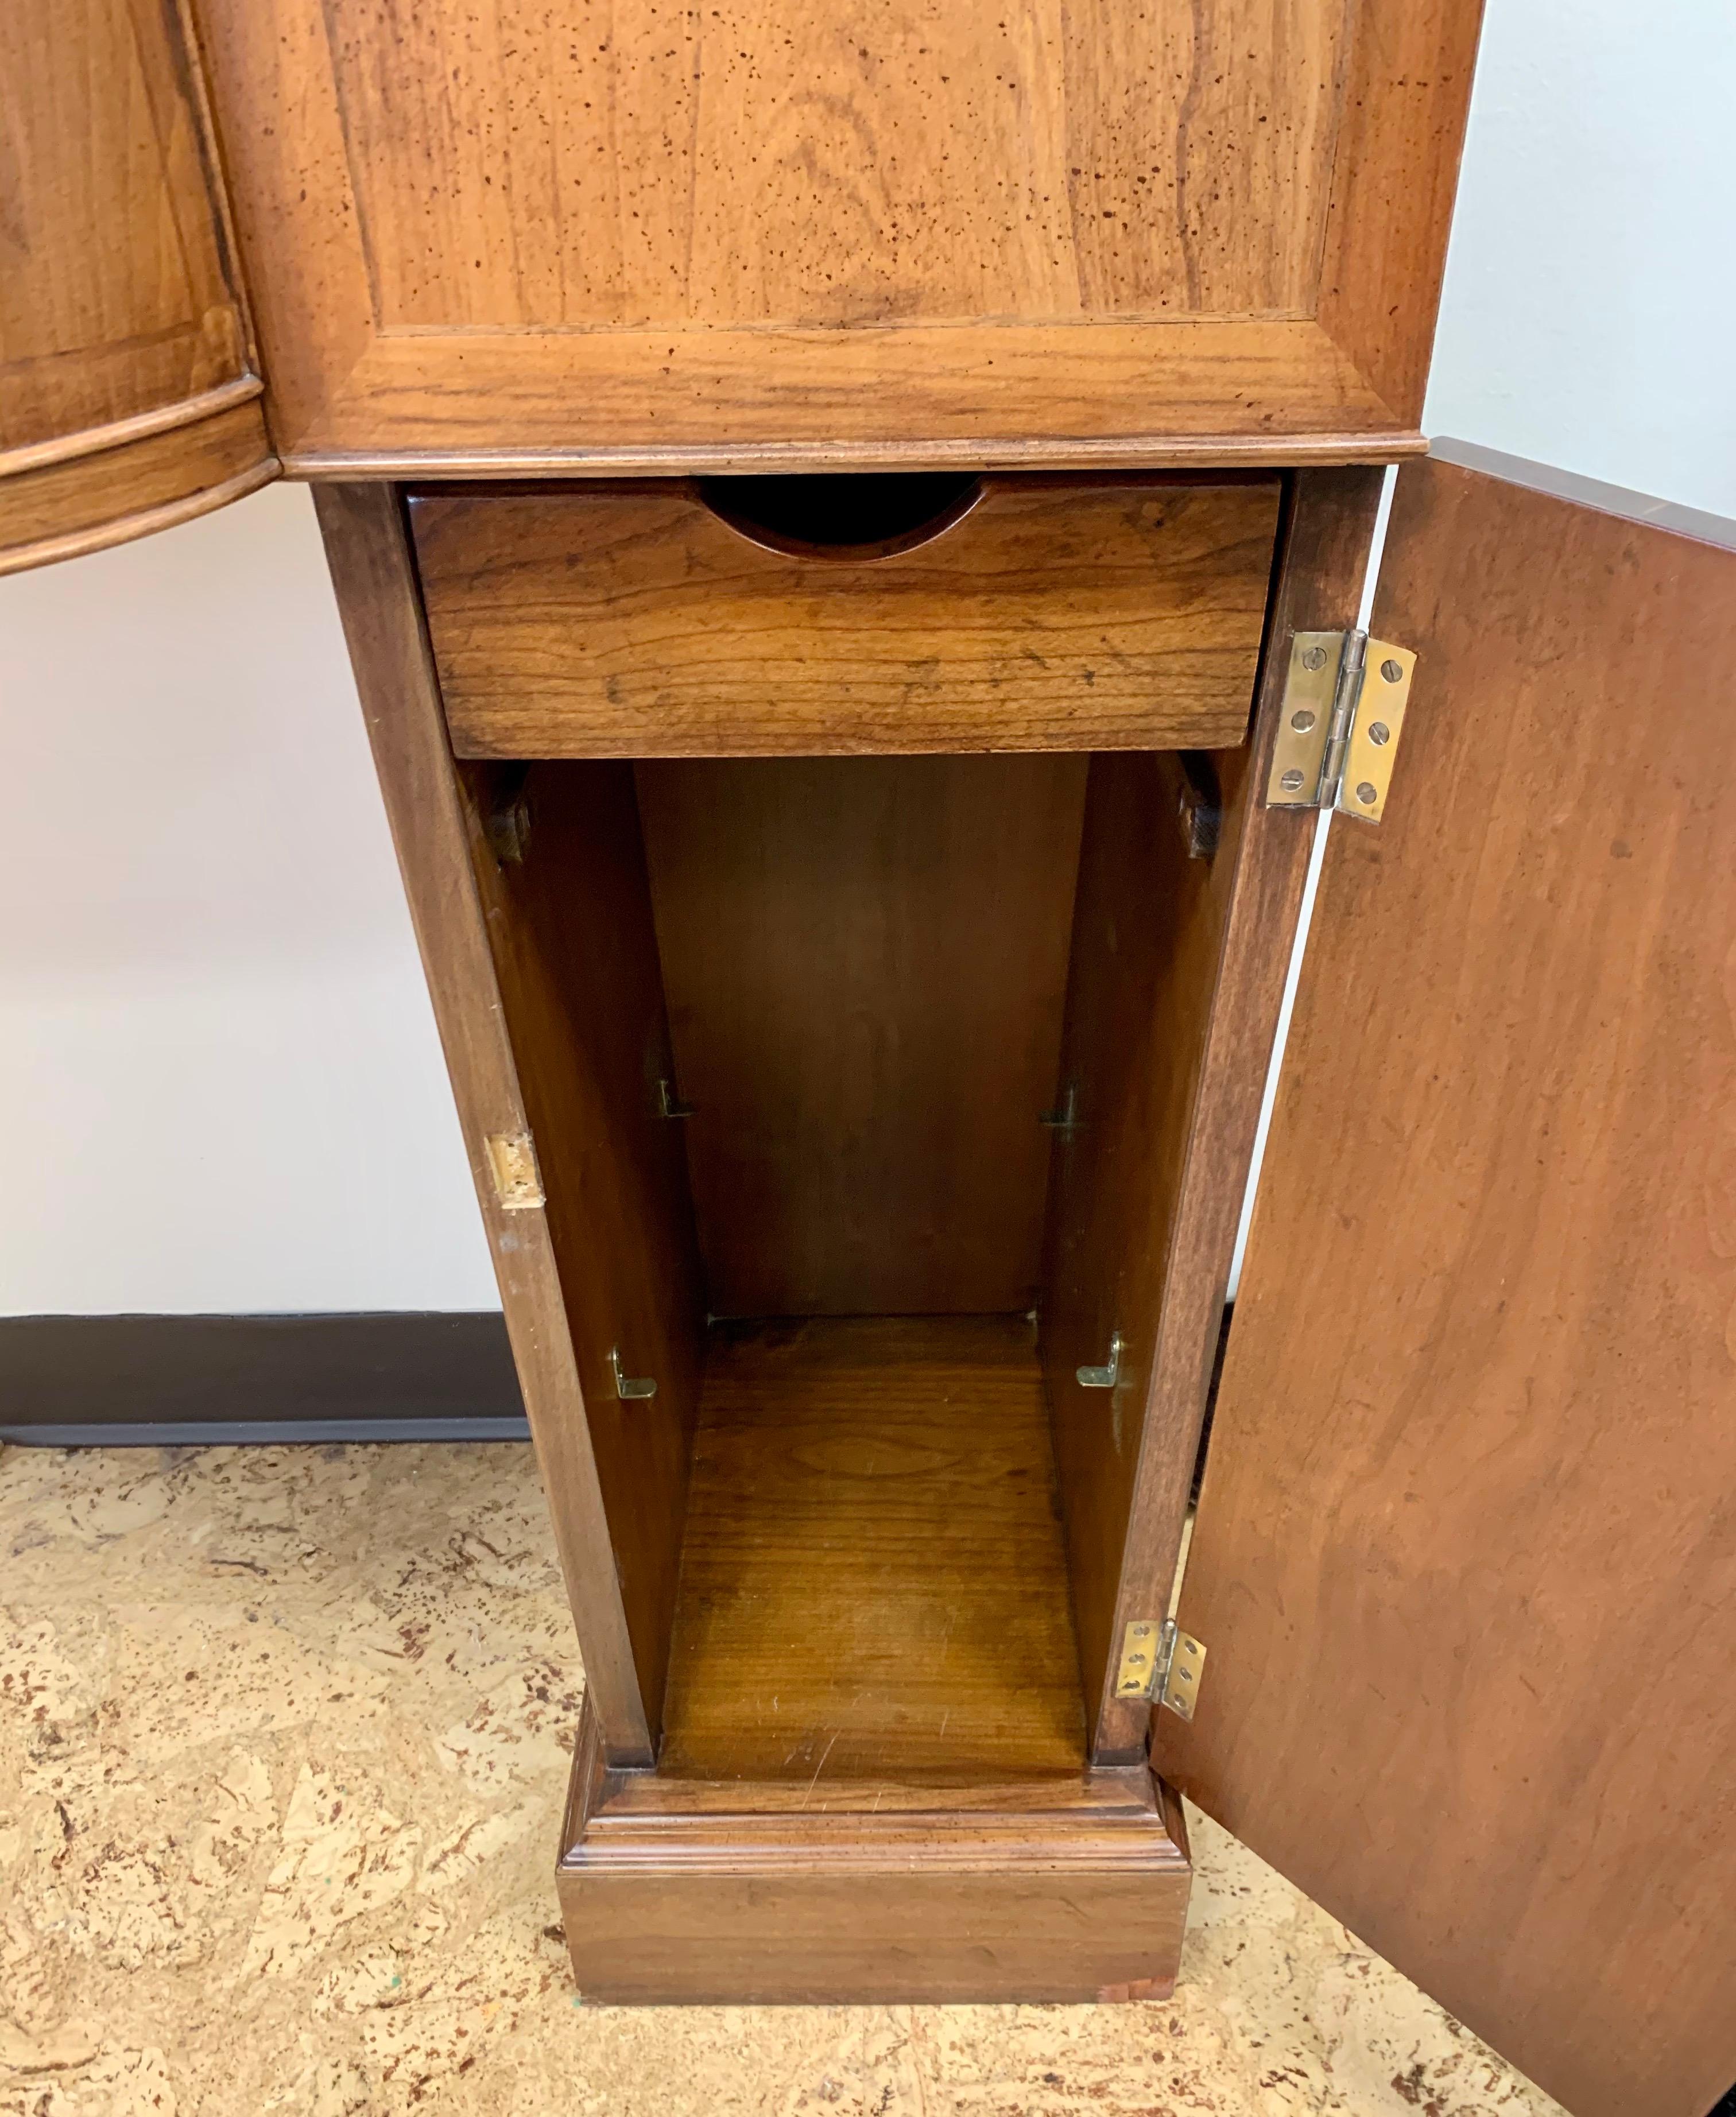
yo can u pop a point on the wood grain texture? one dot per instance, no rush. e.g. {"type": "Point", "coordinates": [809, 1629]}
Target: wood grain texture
{"type": "Point", "coordinates": [1406, 96]}
{"type": "Point", "coordinates": [118, 294]}
{"type": "Point", "coordinates": [1073, 1887]}
{"type": "Point", "coordinates": [766, 164]}
{"type": "Point", "coordinates": [1147, 925]}
{"type": "Point", "coordinates": [60, 507]}
{"type": "Point", "coordinates": [865, 959]}
{"type": "Point", "coordinates": [1176, 978]}
{"type": "Point", "coordinates": [436, 832]}
{"type": "Point", "coordinates": [501, 238]}
{"type": "Point", "coordinates": [872, 1583]}
{"type": "Point", "coordinates": [631, 621]}
{"type": "Point", "coordinates": [124, 335]}
{"type": "Point", "coordinates": [1465, 1509]}
{"type": "Point", "coordinates": [575, 956]}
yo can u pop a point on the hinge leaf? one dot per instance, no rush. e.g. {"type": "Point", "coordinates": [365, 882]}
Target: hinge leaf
{"type": "Point", "coordinates": [1377, 723]}
{"type": "Point", "coordinates": [1305, 721]}
{"type": "Point", "coordinates": [1344, 696]}
{"type": "Point", "coordinates": [1161, 1662]}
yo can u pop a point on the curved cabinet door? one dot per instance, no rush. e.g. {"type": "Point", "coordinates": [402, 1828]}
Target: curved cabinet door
{"type": "Point", "coordinates": [128, 399]}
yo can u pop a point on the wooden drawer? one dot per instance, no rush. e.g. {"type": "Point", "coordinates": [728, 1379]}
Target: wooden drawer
{"type": "Point", "coordinates": [849, 614]}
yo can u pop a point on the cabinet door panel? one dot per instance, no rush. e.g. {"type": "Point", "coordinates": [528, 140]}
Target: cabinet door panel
{"type": "Point", "coordinates": [1465, 1556]}
{"type": "Point", "coordinates": [128, 396]}
{"type": "Point", "coordinates": [541, 236]}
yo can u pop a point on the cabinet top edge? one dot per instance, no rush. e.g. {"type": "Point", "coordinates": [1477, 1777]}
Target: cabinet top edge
{"type": "Point", "coordinates": [1119, 453]}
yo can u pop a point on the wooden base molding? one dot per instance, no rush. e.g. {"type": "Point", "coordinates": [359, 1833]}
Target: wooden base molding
{"type": "Point", "coordinates": [710, 1892]}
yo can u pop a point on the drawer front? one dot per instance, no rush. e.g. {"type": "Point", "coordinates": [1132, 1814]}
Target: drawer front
{"type": "Point", "coordinates": [633, 620]}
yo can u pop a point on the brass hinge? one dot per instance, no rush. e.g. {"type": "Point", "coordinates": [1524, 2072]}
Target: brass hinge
{"type": "Point", "coordinates": [1344, 696]}
{"type": "Point", "coordinates": [1161, 1662]}
{"type": "Point", "coordinates": [512, 1162]}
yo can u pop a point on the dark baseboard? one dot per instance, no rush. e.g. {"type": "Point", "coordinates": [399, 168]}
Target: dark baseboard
{"type": "Point", "coordinates": [106, 1381]}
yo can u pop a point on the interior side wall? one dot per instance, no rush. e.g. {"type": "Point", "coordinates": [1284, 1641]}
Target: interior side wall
{"type": "Point", "coordinates": [1148, 930]}
{"type": "Point", "coordinates": [569, 916]}
{"type": "Point", "coordinates": [866, 959]}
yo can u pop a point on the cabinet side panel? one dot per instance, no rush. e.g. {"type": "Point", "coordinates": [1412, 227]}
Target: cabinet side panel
{"type": "Point", "coordinates": [435, 831]}
{"type": "Point", "coordinates": [1147, 927]}
{"type": "Point", "coordinates": [1464, 1560]}
{"type": "Point", "coordinates": [569, 918]}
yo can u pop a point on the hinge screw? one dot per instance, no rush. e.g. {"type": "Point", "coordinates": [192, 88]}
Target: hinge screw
{"type": "Point", "coordinates": [1291, 781]}
{"type": "Point", "coordinates": [1380, 735]}
{"type": "Point", "coordinates": [1302, 721]}
{"type": "Point", "coordinates": [1366, 793]}
{"type": "Point", "coordinates": [1314, 658]}
{"type": "Point", "coordinates": [1393, 670]}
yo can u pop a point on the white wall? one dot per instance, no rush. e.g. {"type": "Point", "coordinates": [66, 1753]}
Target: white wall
{"type": "Point", "coordinates": [1589, 316]}
{"type": "Point", "coordinates": [217, 1068]}
{"type": "Point", "coordinates": [219, 1073]}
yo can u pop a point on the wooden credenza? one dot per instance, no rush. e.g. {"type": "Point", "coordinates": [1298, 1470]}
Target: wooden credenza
{"type": "Point", "coordinates": [852, 529]}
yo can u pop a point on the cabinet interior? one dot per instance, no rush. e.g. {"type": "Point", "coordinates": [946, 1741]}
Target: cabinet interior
{"type": "Point", "coordinates": [839, 1116]}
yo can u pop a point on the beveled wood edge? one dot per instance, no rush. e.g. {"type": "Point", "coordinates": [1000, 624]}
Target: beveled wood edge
{"type": "Point", "coordinates": [1229, 733]}
{"type": "Point", "coordinates": [372, 566]}
{"type": "Point", "coordinates": [810, 1849]}
{"type": "Point", "coordinates": [1579, 490]}
{"type": "Point", "coordinates": [1113, 452]}
{"type": "Point", "coordinates": [1119, 1818]}
{"type": "Point", "coordinates": [127, 528]}
{"type": "Point", "coordinates": [223, 232]}
{"type": "Point", "coordinates": [161, 419]}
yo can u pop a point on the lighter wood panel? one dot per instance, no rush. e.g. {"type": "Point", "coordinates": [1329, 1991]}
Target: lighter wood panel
{"type": "Point", "coordinates": [632, 621]}
{"type": "Point", "coordinates": [1466, 1510]}
{"type": "Point", "coordinates": [519, 238]}
{"type": "Point", "coordinates": [1113, 396]}
{"type": "Point", "coordinates": [865, 959]}
{"type": "Point", "coordinates": [872, 1582]}
{"type": "Point", "coordinates": [525, 167]}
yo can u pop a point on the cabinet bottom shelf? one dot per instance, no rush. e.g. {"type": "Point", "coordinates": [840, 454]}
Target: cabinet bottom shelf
{"type": "Point", "coordinates": [872, 1784]}
{"type": "Point", "coordinates": [740, 1892]}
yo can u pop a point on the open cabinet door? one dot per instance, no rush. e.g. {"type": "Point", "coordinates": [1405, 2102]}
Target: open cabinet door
{"type": "Point", "coordinates": [1465, 1560]}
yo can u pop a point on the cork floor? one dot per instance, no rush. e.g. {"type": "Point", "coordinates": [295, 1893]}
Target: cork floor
{"type": "Point", "coordinates": [283, 1737]}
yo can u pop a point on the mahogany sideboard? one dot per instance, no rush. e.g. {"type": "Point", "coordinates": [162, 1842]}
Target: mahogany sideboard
{"type": "Point", "coordinates": [851, 526]}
